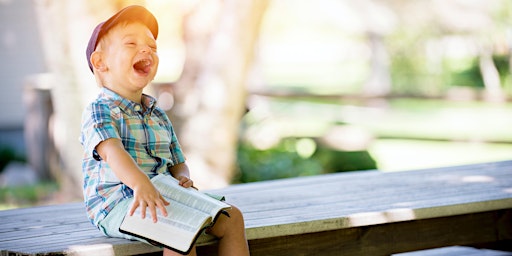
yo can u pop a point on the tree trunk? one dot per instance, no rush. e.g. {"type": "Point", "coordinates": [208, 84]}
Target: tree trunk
{"type": "Point", "coordinates": [41, 153]}
{"type": "Point", "coordinates": [65, 30]}
{"type": "Point", "coordinates": [379, 80]}
{"type": "Point", "coordinates": [491, 77]}
{"type": "Point", "coordinates": [220, 38]}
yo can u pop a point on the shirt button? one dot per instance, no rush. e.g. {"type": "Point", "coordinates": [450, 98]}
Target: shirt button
{"type": "Point", "coordinates": [137, 108]}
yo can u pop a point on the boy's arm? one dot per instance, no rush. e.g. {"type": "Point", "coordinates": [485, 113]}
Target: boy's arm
{"type": "Point", "coordinates": [125, 168]}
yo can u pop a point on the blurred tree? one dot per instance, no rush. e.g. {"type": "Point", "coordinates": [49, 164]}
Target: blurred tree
{"type": "Point", "coordinates": [220, 38]}
{"type": "Point", "coordinates": [431, 33]}
{"type": "Point", "coordinates": [65, 30]}
{"type": "Point", "coordinates": [378, 20]}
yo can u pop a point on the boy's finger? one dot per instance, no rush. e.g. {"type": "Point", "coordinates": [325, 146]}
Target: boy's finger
{"type": "Point", "coordinates": [133, 208]}
{"type": "Point", "coordinates": [163, 199]}
{"type": "Point", "coordinates": [185, 182]}
{"type": "Point", "coordinates": [152, 210]}
{"type": "Point", "coordinates": [143, 211]}
{"type": "Point", "coordinates": [161, 206]}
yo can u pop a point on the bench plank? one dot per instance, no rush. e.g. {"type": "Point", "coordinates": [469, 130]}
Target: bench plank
{"type": "Point", "coordinates": [287, 213]}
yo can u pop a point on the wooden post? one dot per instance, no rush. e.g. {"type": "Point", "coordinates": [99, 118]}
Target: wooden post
{"type": "Point", "coordinates": [39, 109]}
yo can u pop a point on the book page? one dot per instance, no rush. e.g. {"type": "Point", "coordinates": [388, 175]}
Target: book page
{"type": "Point", "coordinates": [165, 231]}
{"type": "Point", "coordinates": [180, 215]}
{"type": "Point", "coordinates": [169, 187]}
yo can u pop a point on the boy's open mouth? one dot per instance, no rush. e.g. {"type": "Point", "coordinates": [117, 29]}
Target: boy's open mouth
{"type": "Point", "coordinates": [142, 66]}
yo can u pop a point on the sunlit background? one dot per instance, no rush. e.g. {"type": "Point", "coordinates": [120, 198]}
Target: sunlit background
{"type": "Point", "coordinates": [304, 87]}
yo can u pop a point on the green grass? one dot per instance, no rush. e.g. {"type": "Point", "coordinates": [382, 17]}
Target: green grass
{"type": "Point", "coordinates": [406, 133]}
{"type": "Point", "coordinates": [22, 196]}
{"type": "Point", "coordinates": [400, 155]}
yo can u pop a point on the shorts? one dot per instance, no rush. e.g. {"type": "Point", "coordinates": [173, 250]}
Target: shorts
{"type": "Point", "coordinates": [109, 226]}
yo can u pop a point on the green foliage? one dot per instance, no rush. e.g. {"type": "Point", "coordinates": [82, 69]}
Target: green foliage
{"type": "Point", "coordinates": [503, 65]}
{"type": "Point", "coordinates": [275, 163]}
{"type": "Point", "coordinates": [26, 195]}
{"type": "Point", "coordinates": [469, 76]}
{"type": "Point", "coordinates": [412, 72]}
{"type": "Point", "coordinates": [343, 161]}
{"type": "Point", "coordinates": [7, 155]}
{"type": "Point", "coordinates": [282, 162]}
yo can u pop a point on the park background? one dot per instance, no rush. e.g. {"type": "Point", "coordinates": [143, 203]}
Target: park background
{"type": "Point", "coordinates": [268, 89]}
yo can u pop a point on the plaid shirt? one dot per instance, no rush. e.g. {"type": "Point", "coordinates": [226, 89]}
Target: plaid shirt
{"type": "Point", "coordinates": [148, 136]}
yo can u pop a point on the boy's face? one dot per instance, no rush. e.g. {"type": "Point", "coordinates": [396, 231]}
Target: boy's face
{"type": "Point", "coordinates": [130, 57]}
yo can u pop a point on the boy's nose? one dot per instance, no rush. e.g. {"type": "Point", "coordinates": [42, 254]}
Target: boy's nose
{"type": "Point", "coordinates": [145, 49]}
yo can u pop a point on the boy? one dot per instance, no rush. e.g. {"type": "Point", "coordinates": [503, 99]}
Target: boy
{"type": "Point", "coordinates": [127, 139]}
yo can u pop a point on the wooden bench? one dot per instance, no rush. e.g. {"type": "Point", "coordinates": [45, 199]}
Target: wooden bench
{"type": "Point", "coordinates": [355, 213]}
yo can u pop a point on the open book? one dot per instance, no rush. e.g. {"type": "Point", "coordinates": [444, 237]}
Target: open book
{"type": "Point", "coordinates": [188, 214]}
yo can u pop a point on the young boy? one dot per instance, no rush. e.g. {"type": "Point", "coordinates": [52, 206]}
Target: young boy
{"type": "Point", "coordinates": [127, 139]}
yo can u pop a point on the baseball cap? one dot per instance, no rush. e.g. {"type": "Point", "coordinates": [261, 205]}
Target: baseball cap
{"type": "Point", "coordinates": [133, 13]}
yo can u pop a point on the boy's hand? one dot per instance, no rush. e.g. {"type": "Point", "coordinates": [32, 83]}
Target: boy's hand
{"type": "Point", "coordinates": [146, 196]}
{"type": "Point", "coordinates": [126, 169]}
{"type": "Point", "coordinates": [185, 181]}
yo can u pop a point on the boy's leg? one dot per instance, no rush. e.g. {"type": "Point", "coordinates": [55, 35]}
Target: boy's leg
{"type": "Point", "coordinates": [231, 232]}
{"type": "Point", "coordinates": [169, 252]}
{"type": "Point", "coordinates": [110, 225]}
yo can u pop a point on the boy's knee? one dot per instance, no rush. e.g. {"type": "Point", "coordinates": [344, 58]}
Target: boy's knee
{"type": "Point", "coordinates": [235, 214]}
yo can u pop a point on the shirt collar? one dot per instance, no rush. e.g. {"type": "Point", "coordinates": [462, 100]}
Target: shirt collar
{"type": "Point", "coordinates": [128, 105]}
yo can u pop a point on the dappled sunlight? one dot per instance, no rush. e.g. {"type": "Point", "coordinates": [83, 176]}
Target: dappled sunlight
{"type": "Point", "coordinates": [347, 138]}
{"type": "Point", "coordinates": [456, 179]}
{"type": "Point", "coordinates": [263, 136]}
{"type": "Point", "coordinates": [213, 95]}
{"type": "Point", "coordinates": [305, 147]}
{"type": "Point", "coordinates": [373, 218]}
{"type": "Point", "coordinates": [403, 154]}
{"type": "Point", "coordinates": [166, 101]}
{"type": "Point", "coordinates": [477, 178]}
{"type": "Point", "coordinates": [84, 250]}
{"type": "Point", "coordinates": [202, 178]}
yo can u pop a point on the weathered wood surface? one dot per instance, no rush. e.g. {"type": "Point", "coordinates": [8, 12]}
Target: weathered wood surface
{"type": "Point", "coordinates": [327, 202]}
{"type": "Point", "coordinates": [356, 213]}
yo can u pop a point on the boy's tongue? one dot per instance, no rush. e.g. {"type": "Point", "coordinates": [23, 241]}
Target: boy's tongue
{"type": "Point", "coordinates": [142, 66]}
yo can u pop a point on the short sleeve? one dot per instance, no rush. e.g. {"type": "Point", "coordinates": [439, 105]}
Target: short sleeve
{"type": "Point", "coordinates": [99, 123]}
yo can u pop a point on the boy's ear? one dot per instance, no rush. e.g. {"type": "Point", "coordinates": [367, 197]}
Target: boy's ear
{"type": "Point", "coordinates": [97, 61]}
